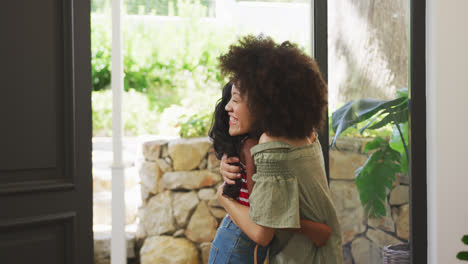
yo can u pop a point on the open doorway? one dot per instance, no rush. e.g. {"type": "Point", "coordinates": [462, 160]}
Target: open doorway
{"type": "Point", "coordinates": [171, 86]}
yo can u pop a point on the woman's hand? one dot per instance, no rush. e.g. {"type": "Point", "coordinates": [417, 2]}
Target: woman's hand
{"type": "Point", "coordinates": [228, 171]}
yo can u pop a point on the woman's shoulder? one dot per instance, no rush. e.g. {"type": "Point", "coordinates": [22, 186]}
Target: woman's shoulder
{"type": "Point", "coordinates": [272, 145]}
{"type": "Point", "coordinates": [264, 138]}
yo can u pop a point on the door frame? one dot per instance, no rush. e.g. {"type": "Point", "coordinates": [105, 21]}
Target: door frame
{"type": "Point", "coordinates": [417, 135]}
{"type": "Point", "coordinates": [417, 118]}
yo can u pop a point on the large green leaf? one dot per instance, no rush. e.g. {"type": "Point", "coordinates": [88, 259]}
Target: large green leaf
{"type": "Point", "coordinates": [393, 116]}
{"type": "Point", "coordinates": [403, 92]}
{"type": "Point", "coordinates": [376, 176]}
{"type": "Point", "coordinates": [377, 143]}
{"type": "Point", "coordinates": [356, 111]}
{"type": "Point", "coordinates": [397, 144]}
{"type": "Point", "coordinates": [463, 255]}
{"type": "Point", "coordinates": [465, 239]}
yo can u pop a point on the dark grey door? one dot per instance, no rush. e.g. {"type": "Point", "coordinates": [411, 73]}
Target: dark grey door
{"type": "Point", "coordinates": [45, 132]}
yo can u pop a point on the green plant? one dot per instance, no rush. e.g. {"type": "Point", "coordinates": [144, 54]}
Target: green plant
{"type": "Point", "coordinates": [163, 57]}
{"type": "Point", "coordinates": [463, 255]}
{"type": "Point", "coordinates": [172, 61]}
{"type": "Point", "coordinates": [138, 117]}
{"type": "Point", "coordinates": [100, 55]}
{"type": "Point", "coordinates": [162, 7]}
{"type": "Point", "coordinates": [170, 65]}
{"type": "Point", "coordinates": [387, 157]}
{"type": "Point", "coordinates": [197, 125]}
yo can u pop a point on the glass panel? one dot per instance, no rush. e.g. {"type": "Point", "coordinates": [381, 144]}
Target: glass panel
{"type": "Point", "coordinates": [368, 58]}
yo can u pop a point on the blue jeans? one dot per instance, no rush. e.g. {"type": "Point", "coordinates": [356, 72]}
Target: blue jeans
{"type": "Point", "coordinates": [231, 245]}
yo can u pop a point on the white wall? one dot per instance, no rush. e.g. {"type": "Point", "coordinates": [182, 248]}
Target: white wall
{"type": "Point", "coordinates": [447, 127]}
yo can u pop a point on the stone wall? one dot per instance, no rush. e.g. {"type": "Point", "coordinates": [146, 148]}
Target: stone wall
{"type": "Point", "coordinates": [363, 237]}
{"type": "Point", "coordinates": [180, 212]}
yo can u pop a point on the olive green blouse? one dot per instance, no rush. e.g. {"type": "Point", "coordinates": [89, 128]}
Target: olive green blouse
{"type": "Point", "coordinates": [290, 183]}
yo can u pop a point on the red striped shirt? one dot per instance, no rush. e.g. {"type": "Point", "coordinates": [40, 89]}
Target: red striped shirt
{"type": "Point", "coordinates": [244, 192]}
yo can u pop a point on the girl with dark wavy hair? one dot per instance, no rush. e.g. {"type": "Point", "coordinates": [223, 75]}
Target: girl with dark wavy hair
{"type": "Point", "coordinates": [233, 139]}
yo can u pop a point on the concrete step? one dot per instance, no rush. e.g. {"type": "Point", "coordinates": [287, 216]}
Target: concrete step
{"type": "Point", "coordinates": [102, 243]}
{"type": "Point", "coordinates": [102, 206]}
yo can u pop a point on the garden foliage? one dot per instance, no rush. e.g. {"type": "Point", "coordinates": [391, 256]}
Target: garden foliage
{"type": "Point", "coordinates": [170, 61]}
{"type": "Point", "coordinates": [387, 157]}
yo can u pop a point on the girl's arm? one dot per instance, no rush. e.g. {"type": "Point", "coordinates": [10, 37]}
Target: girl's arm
{"type": "Point", "coordinates": [240, 215]}
{"type": "Point", "coordinates": [248, 161]}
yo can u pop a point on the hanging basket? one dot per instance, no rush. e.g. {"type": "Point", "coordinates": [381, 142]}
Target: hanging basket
{"type": "Point", "coordinates": [396, 254]}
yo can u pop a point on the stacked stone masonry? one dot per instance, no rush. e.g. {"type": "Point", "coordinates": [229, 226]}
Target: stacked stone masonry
{"type": "Point", "coordinates": [180, 212]}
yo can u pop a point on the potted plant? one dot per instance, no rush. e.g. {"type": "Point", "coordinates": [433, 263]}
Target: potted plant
{"type": "Point", "coordinates": [387, 157]}
{"type": "Point", "coordinates": [463, 255]}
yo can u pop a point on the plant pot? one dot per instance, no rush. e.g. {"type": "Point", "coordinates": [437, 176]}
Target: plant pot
{"type": "Point", "coordinates": [396, 254]}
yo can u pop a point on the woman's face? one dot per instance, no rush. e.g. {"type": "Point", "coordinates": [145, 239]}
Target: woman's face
{"type": "Point", "coordinates": [239, 116]}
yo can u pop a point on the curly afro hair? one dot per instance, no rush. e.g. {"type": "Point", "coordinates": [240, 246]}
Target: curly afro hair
{"type": "Point", "coordinates": [286, 93]}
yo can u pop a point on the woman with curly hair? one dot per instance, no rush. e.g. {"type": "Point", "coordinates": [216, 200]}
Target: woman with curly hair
{"type": "Point", "coordinates": [231, 245]}
{"type": "Point", "coordinates": [285, 100]}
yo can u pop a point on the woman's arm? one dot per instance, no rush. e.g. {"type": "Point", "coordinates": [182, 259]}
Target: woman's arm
{"type": "Point", "coordinates": [240, 213]}
{"type": "Point", "coordinates": [317, 232]}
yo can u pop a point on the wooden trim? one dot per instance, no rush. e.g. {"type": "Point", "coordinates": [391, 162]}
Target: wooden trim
{"type": "Point", "coordinates": [66, 219]}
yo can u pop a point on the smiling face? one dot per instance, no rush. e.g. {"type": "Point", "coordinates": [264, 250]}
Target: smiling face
{"type": "Point", "coordinates": [239, 116]}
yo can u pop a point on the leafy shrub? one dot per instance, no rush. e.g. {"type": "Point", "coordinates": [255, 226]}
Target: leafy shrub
{"type": "Point", "coordinates": [196, 125]}
{"type": "Point", "coordinates": [165, 7]}
{"type": "Point", "coordinates": [138, 118]}
{"type": "Point", "coordinates": [100, 55]}
{"type": "Point", "coordinates": [172, 63]}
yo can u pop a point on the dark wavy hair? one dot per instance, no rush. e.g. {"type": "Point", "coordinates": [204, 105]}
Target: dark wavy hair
{"type": "Point", "coordinates": [223, 143]}
{"type": "Point", "coordinates": [287, 96]}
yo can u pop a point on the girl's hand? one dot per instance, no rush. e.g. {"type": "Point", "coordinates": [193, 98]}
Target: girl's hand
{"type": "Point", "coordinates": [228, 171]}
{"type": "Point", "coordinates": [219, 194]}
{"type": "Point", "coordinates": [223, 200]}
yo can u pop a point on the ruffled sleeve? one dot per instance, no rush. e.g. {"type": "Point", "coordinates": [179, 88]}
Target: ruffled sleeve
{"type": "Point", "coordinates": [274, 201]}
